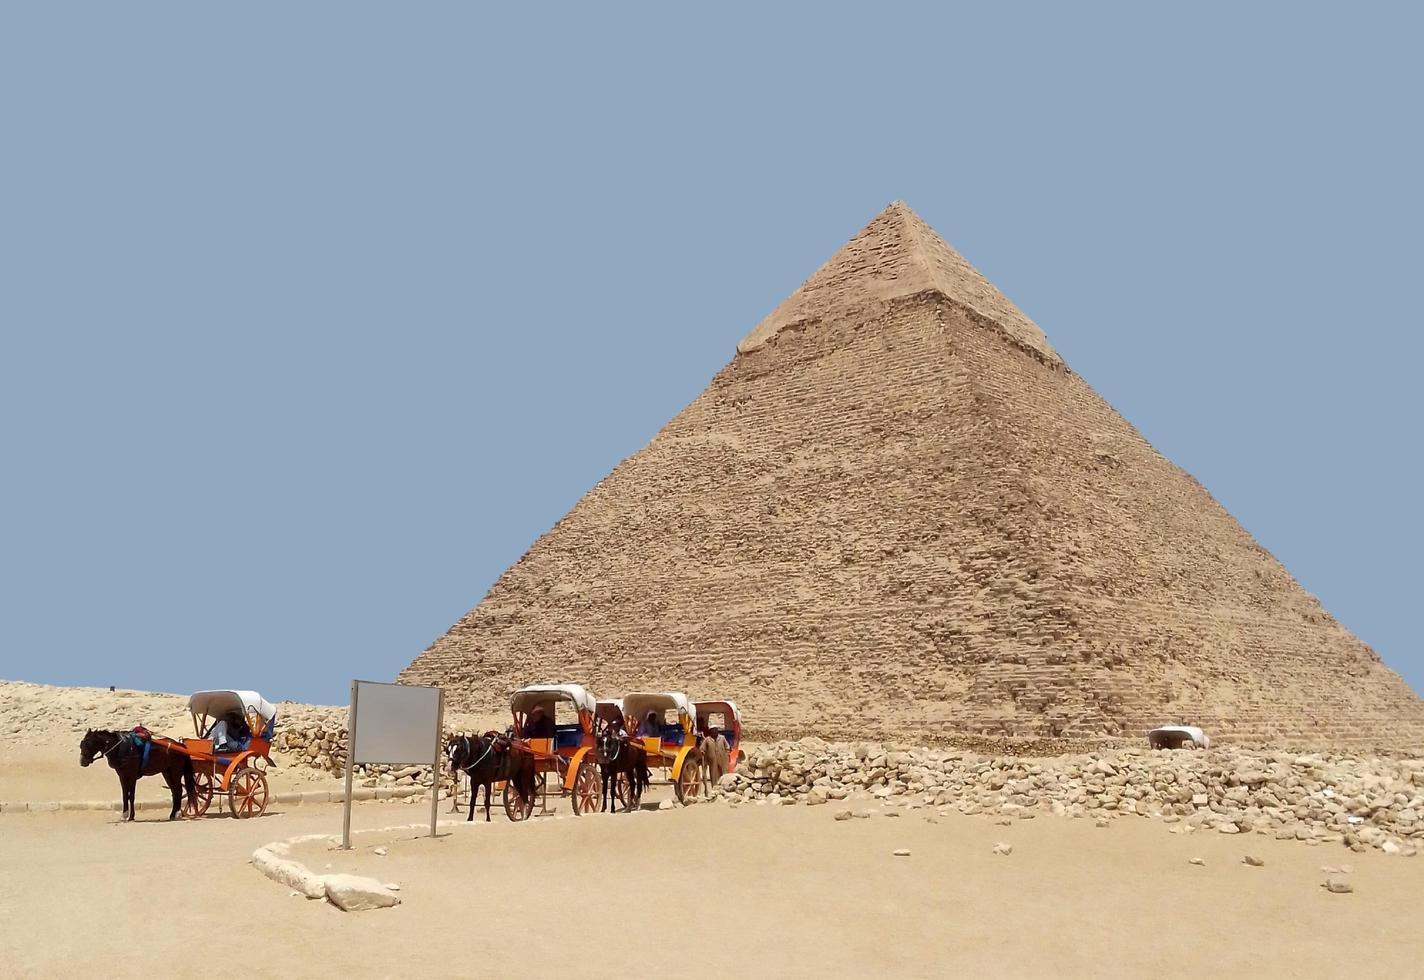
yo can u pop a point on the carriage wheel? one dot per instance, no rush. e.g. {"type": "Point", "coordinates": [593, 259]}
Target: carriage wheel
{"type": "Point", "coordinates": [203, 795]}
{"type": "Point", "coordinates": [516, 807]}
{"type": "Point", "coordinates": [587, 789]}
{"type": "Point", "coordinates": [623, 786]}
{"type": "Point", "coordinates": [247, 793]}
{"type": "Point", "coordinates": [689, 781]}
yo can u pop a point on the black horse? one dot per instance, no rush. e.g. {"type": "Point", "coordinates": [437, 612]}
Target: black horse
{"type": "Point", "coordinates": [488, 759]}
{"type": "Point", "coordinates": [132, 763]}
{"type": "Point", "coordinates": [621, 757]}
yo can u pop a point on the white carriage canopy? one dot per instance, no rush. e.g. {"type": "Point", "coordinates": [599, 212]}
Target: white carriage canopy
{"type": "Point", "coordinates": [215, 704]}
{"type": "Point", "coordinates": [547, 695]}
{"type": "Point", "coordinates": [731, 714]}
{"type": "Point", "coordinates": [636, 706]}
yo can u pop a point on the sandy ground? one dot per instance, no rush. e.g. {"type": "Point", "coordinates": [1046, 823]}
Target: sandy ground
{"type": "Point", "coordinates": [705, 891]}
{"type": "Point", "coordinates": [710, 890]}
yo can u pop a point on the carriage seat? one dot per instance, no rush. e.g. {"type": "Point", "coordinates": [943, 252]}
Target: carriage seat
{"type": "Point", "coordinates": [568, 736]}
{"type": "Point", "coordinates": [673, 734]}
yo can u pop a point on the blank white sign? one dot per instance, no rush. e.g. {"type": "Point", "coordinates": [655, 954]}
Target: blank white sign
{"type": "Point", "coordinates": [395, 723]}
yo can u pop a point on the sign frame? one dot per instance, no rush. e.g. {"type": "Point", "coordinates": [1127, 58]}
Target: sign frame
{"type": "Point", "coordinates": [352, 720]}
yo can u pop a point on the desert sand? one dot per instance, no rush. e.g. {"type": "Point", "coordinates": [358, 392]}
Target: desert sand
{"type": "Point", "coordinates": [711, 890]}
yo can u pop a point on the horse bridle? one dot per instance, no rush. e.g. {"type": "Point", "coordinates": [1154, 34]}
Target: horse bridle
{"type": "Point", "coordinates": [119, 739]}
{"type": "Point", "coordinates": [618, 744]}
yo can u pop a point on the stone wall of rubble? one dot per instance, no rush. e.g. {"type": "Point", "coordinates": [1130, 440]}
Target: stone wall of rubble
{"type": "Point", "coordinates": [1357, 802]}
{"type": "Point", "coordinates": [323, 747]}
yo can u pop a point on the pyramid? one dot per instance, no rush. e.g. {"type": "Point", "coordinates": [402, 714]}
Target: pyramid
{"type": "Point", "coordinates": [897, 512]}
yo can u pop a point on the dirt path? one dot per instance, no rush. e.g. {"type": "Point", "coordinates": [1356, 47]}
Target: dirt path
{"type": "Point", "coordinates": [707, 891]}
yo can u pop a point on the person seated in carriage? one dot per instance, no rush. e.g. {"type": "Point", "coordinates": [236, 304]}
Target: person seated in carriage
{"type": "Point", "coordinates": [230, 733]}
{"type": "Point", "coordinates": [652, 726]}
{"type": "Point", "coordinates": [539, 724]}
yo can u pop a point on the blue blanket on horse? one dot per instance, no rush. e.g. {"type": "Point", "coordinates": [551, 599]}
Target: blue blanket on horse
{"type": "Point", "coordinates": [142, 744]}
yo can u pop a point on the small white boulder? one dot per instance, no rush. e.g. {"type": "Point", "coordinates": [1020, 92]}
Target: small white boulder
{"type": "Point", "coordinates": [353, 893]}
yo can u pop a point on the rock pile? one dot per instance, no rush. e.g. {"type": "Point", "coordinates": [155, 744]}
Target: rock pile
{"type": "Point", "coordinates": [323, 746]}
{"type": "Point", "coordinates": [1358, 801]}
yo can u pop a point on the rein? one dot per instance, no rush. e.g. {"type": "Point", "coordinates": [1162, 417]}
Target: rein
{"type": "Point", "coordinates": [488, 749]}
{"type": "Point", "coordinates": [118, 741]}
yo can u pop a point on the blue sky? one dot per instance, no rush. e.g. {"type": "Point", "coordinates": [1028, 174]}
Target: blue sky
{"type": "Point", "coordinates": [312, 318]}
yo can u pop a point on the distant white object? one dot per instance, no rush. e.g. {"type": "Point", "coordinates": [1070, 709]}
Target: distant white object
{"type": "Point", "coordinates": [1178, 737]}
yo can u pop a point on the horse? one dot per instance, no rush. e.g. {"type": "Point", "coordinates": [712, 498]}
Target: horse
{"type": "Point", "coordinates": [716, 758]}
{"type": "Point", "coordinates": [132, 763]}
{"type": "Point", "coordinates": [618, 755]}
{"type": "Point", "coordinates": [488, 759]}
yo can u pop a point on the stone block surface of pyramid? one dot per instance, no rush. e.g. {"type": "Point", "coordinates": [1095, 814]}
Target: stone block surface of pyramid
{"type": "Point", "coordinates": [897, 512]}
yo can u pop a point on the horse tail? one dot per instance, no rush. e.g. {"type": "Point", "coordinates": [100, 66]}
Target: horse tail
{"type": "Point", "coordinates": [525, 782]}
{"type": "Point", "coordinates": [189, 783]}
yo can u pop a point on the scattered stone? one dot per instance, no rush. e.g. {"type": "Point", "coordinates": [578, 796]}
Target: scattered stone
{"type": "Point", "coordinates": [843, 815]}
{"type": "Point", "coordinates": [1362, 801]}
{"type": "Point", "coordinates": [352, 893]}
{"type": "Point", "coordinates": [1254, 861]}
{"type": "Point", "coordinates": [1338, 885]}
{"type": "Point", "coordinates": [861, 814]}
{"type": "Point", "coordinates": [903, 852]}
{"type": "Point", "coordinates": [380, 852]}
{"type": "Point", "coordinates": [1003, 848]}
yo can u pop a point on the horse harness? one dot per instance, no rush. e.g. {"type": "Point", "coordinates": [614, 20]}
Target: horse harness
{"type": "Point", "coordinates": [491, 738]}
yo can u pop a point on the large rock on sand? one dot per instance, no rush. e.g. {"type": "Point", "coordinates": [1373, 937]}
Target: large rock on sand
{"type": "Point", "coordinates": [352, 893]}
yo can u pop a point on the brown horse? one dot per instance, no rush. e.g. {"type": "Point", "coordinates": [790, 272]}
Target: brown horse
{"type": "Point", "coordinates": [618, 757]}
{"type": "Point", "coordinates": [488, 759]}
{"type": "Point", "coordinates": [716, 758]}
{"type": "Point", "coordinates": [132, 763]}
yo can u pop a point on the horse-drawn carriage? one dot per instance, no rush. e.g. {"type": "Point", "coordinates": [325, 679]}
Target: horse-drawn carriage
{"type": "Point", "coordinates": [670, 742]}
{"type": "Point", "coordinates": [236, 767]}
{"type": "Point", "coordinates": [561, 748]}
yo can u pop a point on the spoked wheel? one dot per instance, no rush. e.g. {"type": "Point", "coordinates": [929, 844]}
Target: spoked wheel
{"type": "Point", "coordinates": [516, 807]}
{"type": "Point", "coordinates": [623, 787]}
{"type": "Point", "coordinates": [689, 780]}
{"type": "Point", "coordinates": [587, 789]}
{"type": "Point", "coordinates": [247, 793]}
{"type": "Point", "coordinates": [202, 798]}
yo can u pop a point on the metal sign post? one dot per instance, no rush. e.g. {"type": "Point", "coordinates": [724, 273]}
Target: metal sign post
{"type": "Point", "coordinates": [435, 766]}
{"type": "Point", "coordinates": [350, 766]}
{"type": "Point", "coordinates": [391, 723]}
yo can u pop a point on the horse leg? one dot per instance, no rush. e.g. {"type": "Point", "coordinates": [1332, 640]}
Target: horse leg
{"type": "Point", "coordinates": [489, 792]}
{"type": "Point", "coordinates": [175, 786]}
{"type": "Point", "coordinates": [127, 782]}
{"type": "Point", "coordinates": [474, 795]}
{"type": "Point", "coordinates": [190, 783]}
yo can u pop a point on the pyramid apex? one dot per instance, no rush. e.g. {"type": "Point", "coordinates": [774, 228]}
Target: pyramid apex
{"type": "Point", "coordinates": [896, 255]}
